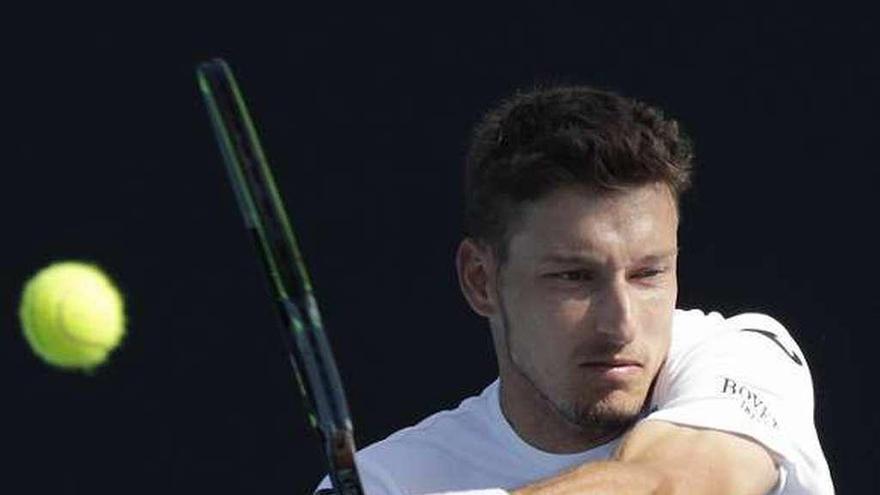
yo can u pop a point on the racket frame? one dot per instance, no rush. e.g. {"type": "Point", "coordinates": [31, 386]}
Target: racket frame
{"type": "Point", "coordinates": [266, 219]}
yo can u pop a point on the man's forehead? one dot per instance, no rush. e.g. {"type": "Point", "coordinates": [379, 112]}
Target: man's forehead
{"type": "Point", "coordinates": [574, 223]}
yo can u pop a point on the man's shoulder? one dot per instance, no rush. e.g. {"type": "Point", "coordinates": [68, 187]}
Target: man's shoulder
{"type": "Point", "coordinates": [428, 456]}
{"type": "Point", "coordinates": [694, 327]}
{"type": "Point", "coordinates": [744, 374]}
{"type": "Point", "coordinates": [444, 434]}
{"type": "Point", "coordinates": [696, 323]}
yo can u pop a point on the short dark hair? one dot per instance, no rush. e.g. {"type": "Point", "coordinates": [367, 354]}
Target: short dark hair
{"type": "Point", "coordinates": [546, 139]}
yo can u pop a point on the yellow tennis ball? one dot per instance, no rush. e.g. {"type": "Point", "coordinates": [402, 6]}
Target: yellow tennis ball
{"type": "Point", "coordinates": [72, 315]}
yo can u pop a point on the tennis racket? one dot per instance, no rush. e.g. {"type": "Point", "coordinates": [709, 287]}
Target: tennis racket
{"type": "Point", "coordinates": [265, 218]}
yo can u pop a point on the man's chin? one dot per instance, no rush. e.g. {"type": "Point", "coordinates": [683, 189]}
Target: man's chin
{"type": "Point", "coordinates": [615, 411]}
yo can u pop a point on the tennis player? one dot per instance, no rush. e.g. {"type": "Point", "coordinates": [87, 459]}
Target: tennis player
{"type": "Point", "coordinates": [604, 386]}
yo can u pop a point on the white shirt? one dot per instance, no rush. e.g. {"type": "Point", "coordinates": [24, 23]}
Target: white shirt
{"type": "Point", "coordinates": [743, 374]}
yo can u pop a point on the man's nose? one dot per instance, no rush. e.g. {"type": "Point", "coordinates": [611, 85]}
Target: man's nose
{"type": "Point", "coordinates": [616, 313]}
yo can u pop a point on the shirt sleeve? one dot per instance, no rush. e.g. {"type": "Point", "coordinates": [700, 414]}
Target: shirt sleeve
{"type": "Point", "coordinates": [746, 375]}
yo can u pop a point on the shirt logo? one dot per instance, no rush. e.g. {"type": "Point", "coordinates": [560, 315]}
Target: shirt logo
{"type": "Point", "coordinates": [750, 402]}
{"type": "Point", "coordinates": [772, 336]}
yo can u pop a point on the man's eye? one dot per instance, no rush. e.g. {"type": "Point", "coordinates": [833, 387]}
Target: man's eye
{"type": "Point", "coordinates": [651, 272]}
{"type": "Point", "coordinates": [574, 276]}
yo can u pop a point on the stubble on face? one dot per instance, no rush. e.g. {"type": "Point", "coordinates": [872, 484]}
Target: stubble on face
{"type": "Point", "coordinates": [548, 332]}
{"type": "Point", "coordinates": [589, 414]}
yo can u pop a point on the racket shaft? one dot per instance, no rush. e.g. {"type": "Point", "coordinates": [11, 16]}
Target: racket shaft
{"type": "Point", "coordinates": [264, 216]}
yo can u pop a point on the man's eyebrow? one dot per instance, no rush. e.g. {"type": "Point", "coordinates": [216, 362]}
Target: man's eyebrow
{"type": "Point", "coordinates": [570, 259]}
{"type": "Point", "coordinates": [659, 256]}
{"type": "Point", "coordinates": [588, 259]}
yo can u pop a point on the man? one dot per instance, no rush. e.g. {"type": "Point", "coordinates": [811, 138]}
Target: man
{"type": "Point", "coordinates": [604, 387]}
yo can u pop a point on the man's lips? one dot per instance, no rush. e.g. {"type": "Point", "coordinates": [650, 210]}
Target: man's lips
{"type": "Point", "coordinates": [615, 369]}
{"type": "Point", "coordinates": [611, 363]}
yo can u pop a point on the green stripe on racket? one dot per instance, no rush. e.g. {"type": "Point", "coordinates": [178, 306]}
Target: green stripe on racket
{"type": "Point", "coordinates": [266, 219]}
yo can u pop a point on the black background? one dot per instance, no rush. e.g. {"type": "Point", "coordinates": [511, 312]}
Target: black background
{"type": "Point", "coordinates": [365, 113]}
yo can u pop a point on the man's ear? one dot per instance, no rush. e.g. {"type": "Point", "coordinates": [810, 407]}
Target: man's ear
{"type": "Point", "coordinates": [475, 264]}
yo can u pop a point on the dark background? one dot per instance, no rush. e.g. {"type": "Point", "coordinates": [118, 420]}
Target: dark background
{"type": "Point", "coordinates": [365, 114]}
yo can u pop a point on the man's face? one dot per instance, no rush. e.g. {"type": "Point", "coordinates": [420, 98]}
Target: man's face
{"type": "Point", "coordinates": [586, 298]}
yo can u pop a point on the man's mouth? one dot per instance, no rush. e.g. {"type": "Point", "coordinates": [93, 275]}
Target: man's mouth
{"type": "Point", "coordinates": [614, 369]}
